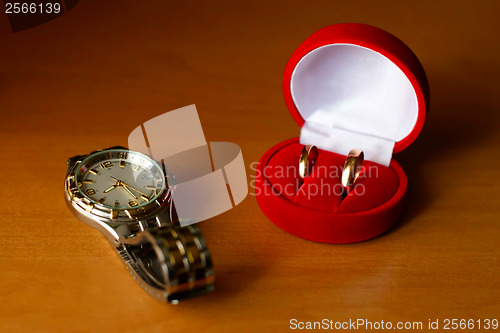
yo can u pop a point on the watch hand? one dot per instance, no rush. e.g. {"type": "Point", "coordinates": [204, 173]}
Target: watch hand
{"type": "Point", "coordinates": [127, 185]}
{"type": "Point", "coordinates": [133, 188]}
{"type": "Point", "coordinates": [109, 189]}
{"type": "Point", "coordinates": [126, 189]}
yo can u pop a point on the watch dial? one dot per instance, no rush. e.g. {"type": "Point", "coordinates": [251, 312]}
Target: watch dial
{"type": "Point", "coordinates": [120, 179]}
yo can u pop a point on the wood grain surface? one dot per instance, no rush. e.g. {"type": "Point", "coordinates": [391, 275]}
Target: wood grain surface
{"type": "Point", "coordinates": [86, 79]}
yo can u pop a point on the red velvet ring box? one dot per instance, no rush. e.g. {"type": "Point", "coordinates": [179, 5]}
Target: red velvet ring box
{"type": "Point", "coordinates": [347, 86]}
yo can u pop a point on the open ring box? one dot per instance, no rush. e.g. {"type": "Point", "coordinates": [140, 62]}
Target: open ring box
{"type": "Point", "coordinates": [347, 86]}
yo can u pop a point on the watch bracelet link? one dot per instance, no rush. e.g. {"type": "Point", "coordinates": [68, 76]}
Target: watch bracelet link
{"type": "Point", "coordinates": [158, 220]}
{"type": "Point", "coordinates": [170, 262]}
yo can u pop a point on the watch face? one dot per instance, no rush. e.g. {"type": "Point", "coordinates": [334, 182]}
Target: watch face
{"type": "Point", "coordinates": [120, 179]}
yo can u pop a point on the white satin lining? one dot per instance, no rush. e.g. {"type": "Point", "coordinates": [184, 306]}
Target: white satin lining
{"type": "Point", "coordinates": [353, 97]}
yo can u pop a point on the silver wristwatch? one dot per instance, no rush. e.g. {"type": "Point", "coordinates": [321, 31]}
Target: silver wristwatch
{"type": "Point", "coordinates": [127, 196]}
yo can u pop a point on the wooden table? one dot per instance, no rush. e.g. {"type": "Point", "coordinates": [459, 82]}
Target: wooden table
{"type": "Point", "coordinates": [86, 79]}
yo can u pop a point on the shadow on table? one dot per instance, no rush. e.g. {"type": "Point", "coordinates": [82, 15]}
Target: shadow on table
{"type": "Point", "coordinates": [457, 121]}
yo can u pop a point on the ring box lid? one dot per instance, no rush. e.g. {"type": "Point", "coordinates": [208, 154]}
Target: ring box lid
{"type": "Point", "coordinates": [356, 86]}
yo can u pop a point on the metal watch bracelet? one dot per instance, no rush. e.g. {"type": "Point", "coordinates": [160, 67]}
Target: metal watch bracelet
{"type": "Point", "coordinates": [170, 262]}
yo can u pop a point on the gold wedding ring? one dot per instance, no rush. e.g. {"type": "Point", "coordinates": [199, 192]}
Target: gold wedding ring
{"type": "Point", "coordinates": [307, 159]}
{"type": "Point", "coordinates": [352, 167]}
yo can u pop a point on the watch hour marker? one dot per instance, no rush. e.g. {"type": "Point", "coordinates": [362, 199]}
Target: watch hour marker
{"type": "Point", "coordinates": [122, 164]}
{"type": "Point", "coordinates": [106, 165]}
{"type": "Point", "coordinates": [90, 191]}
{"type": "Point", "coordinates": [151, 187]}
{"type": "Point", "coordinates": [101, 201]}
{"type": "Point", "coordinates": [88, 181]}
{"type": "Point", "coordinates": [132, 203]}
{"type": "Point", "coordinates": [137, 167]}
{"type": "Point", "coordinates": [145, 197]}
{"type": "Point", "coordinates": [95, 172]}
{"type": "Point", "coordinates": [117, 203]}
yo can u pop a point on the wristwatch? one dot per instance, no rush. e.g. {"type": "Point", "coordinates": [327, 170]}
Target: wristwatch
{"type": "Point", "coordinates": [127, 196]}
